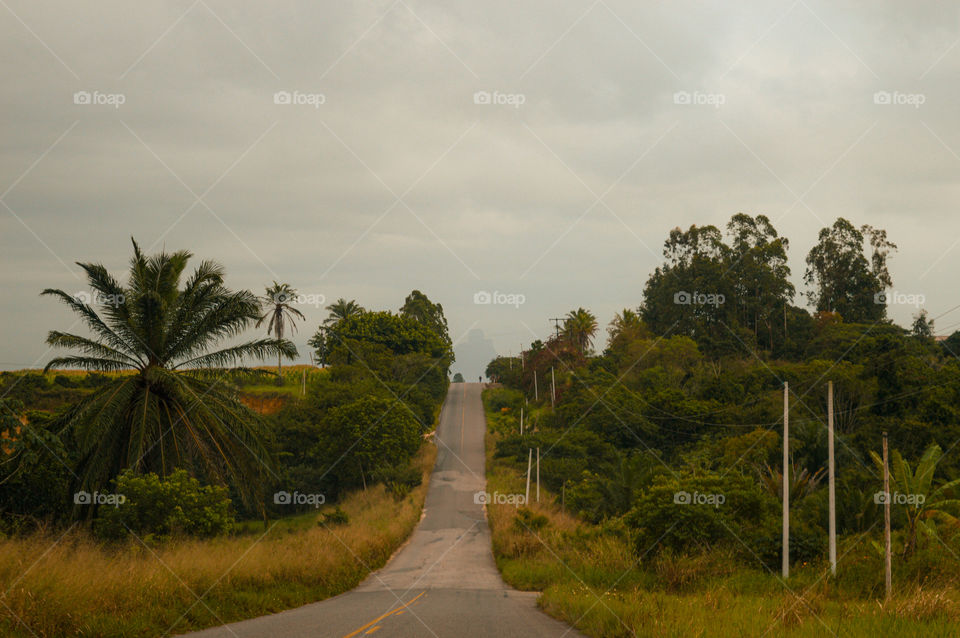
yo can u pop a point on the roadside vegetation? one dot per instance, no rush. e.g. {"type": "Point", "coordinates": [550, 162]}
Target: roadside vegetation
{"type": "Point", "coordinates": [157, 482]}
{"type": "Point", "coordinates": [661, 449]}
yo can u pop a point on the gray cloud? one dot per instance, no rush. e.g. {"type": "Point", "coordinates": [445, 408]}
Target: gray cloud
{"type": "Point", "coordinates": [493, 197]}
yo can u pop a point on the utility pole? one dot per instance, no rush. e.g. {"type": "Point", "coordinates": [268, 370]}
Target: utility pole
{"type": "Point", "coordinates": [888, 567]}
{"type": "Point", "coordinates": [521, 420]}
{"type": "Point", "coordinates": [538, 474]}
{"type": "Point", "coordinates": [556, 325]}
{"type": "Point", "coordinates": [526, 497]}
{"type": "Point", "coordinates": [553, 388]}
{"type": "Point", "coordinates": [785, 567]}
{"type": "Point", "coordinates": [521, 356]}
{"type": "Point", "coordinates": [536, 394]}
{"type": "Point", "coordinates": [833, 484]}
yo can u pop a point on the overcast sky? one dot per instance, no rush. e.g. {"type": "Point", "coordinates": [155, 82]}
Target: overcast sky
{"type": "Point", "coordinates": [389, 171]}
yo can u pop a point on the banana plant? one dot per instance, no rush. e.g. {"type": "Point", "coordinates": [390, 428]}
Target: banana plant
{"type": "Point", "coordinates": [925, 505]}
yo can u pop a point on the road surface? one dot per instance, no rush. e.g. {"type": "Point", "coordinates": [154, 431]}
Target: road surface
{"type": "Point", "coordinates": [443, 582]}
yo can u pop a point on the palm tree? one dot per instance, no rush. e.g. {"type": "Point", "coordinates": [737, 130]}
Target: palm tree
{"type": "Point", "coordinates": [926, 504]}
{"type": "Point", "coordinates": [172, 411]}
{"type": "Point", "coordinates": [277, 308]}
{"type": "Point", "coordinates": [579, 326]}
{"type": "Point", "coordinates": [342, 309]}
{"type": "Point", "coordinates": [625, 322]}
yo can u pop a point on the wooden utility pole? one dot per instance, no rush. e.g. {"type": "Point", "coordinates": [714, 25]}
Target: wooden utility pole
{"type": "Point", "coordinates": [536, 393]}
{"type": "Point", "coordinates": [526, 497]}
{"type": "Point", "coordinates": [521, 420]}
{"type": "Point", "coordinates": [888, 566]}
{"type": "Point", "coordinates": [785, 567]}
{"type": "Point", "coordinates": [832, 501]}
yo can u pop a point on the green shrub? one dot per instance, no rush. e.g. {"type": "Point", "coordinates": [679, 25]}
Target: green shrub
{"type": "Point", "coordinates": [336, 517]}
{"type": "Point", "coordinates": [399, 479]}
{"type": "Point", "coordinates": [158, 508]}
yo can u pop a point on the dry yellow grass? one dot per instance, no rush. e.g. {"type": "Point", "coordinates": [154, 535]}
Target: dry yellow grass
{"type": "Point", "coordinates": [74, 586]}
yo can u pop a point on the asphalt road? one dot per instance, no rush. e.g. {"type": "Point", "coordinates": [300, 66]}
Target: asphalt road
{"type": "Point", "coordinates": [443, 582]}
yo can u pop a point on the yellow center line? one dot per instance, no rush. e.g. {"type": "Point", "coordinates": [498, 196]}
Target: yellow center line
{"type": "Point", "coordinates": [373, 630]}
{"type": "Point", "coordinates": [382, 616]}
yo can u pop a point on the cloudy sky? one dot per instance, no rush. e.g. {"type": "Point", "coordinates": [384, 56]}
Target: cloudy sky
{"type": "Point", "coordinates": [536, 149]}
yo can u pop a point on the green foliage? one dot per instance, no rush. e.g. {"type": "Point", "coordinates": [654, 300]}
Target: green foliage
{"type": "Point", "coordinates": [700, 509]}
{"type": "Point", "coordinates": [159, 508]}
{"type": "Point", "coordinates": [34, 469]}
{"type": "Point", "coordinates": [844, 280]}
{"type": "Point", "coordinates": [172, 411]}
{"type": "Point", "coordinates": [335, 517]}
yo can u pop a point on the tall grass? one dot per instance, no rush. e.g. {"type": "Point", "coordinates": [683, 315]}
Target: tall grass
{"type": "Point", "coordinates": [70, 585]}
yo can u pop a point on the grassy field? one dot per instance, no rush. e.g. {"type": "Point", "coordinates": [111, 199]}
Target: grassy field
{"type": "Point", "coordinates": [69, 585]}
{"type": "Point", "coordinates": [590, 577]}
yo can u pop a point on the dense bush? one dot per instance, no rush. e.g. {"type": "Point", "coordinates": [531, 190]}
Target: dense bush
{"type": "Point", "coordinates": [159, 508]}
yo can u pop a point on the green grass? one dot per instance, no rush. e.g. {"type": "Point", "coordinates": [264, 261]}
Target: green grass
{"type": "Point", "coordinates": [590, 577]}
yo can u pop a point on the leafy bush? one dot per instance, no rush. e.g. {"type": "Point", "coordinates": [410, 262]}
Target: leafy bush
{"type": "Point", "coordinates": [158, 508]}
{"type": "Point", "coordinates": [399, 479]}
{"type": "Point", "coordinates": [701, 509]}
{"type": "Point", "coordinates": [336, 517]}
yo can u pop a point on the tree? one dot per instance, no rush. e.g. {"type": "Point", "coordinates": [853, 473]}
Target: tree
{"type": "Point", "coordinates": [579, 326]}
{"type": "Point", "coordinates": [171, 411]}
{"type": "Point", "coordinates": [845, 281]}
{"type": "Point", "coordinates": [342, 309]}
{"type": "Point", "coordinates": [922, 327]}
{"type": "Point", "coordinates": [458, 378]}
{"type": "Point", "coordinates": [758, 266]}
{"type": "Point", "coordinates": [929, 504]}
{"type": "Point", "coordinates": [277, 309]}
{"type": "Point", "coordinates": [418, 306]}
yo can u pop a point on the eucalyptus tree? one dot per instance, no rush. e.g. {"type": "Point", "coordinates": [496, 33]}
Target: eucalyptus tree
{"type": "Point", "coordinates": [167, 406]}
